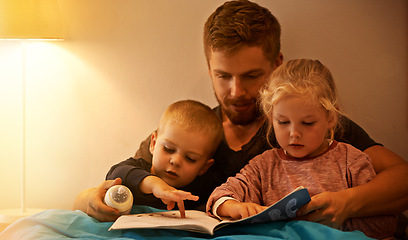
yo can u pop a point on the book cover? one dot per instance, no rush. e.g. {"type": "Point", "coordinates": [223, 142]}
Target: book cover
{"type": "Point", "coordinates": [199, 221]}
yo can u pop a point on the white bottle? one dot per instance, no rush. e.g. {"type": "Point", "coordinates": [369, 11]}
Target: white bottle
{"type": "Point", "coordinates": [119, 197]}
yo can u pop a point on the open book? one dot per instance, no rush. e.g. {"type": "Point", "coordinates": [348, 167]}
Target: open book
{"type": "Point", "coordinates": [199, 221]}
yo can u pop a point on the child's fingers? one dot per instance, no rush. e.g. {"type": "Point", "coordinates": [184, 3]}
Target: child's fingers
{"type": "Point", "coordinates": [170, 205]}
{"type": "Point", "coordinates": [180, 204]}
{"type": "Point", "coordinates": [179, 195]}
{"type": "Point", "coordinates": [192, 197]}
{"type": "Point", "coordinates": [181, 208]}
{"type": "Point", "coordinates": [186, 195]}
{"type": "Point", "coordinates": [173, 197]}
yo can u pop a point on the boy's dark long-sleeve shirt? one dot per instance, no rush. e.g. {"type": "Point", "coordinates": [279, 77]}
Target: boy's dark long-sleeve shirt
{"type": "Point", "coordinates": [133, 171]}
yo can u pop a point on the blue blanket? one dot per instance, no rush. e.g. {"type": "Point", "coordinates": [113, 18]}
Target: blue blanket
{"type": "Point", "coordinates": [65, 224]}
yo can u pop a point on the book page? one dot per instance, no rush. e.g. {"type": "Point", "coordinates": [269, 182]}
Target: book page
{"type": "Point", "coordinates": [199, 221]}
{"type": "Point", "coordinates": [194, 221]}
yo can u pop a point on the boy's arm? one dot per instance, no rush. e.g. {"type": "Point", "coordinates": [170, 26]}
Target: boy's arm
{"type": "Point", "coordinates": [168, 194]}
{"type": "Point", "coordinates": [132, 172]}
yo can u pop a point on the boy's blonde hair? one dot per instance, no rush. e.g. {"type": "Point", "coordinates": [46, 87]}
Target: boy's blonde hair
{"type": "Point", "coordinates": [305, 78]}
{"type": "Point", "coordinates": [194, 116]}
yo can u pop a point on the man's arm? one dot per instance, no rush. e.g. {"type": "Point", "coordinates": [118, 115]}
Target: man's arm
{"type": "Point", "coordinates": [387, 192]}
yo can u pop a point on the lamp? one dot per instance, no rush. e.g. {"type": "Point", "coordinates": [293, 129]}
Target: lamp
{"type": "Point", "coordinates": [27, 20]}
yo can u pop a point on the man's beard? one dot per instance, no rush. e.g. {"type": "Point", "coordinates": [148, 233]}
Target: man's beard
{"type": "Point", "coordinates": [240, 118]}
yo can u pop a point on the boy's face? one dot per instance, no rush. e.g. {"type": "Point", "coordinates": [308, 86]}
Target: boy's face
{"type": "Point", "coordinates": [179, 156]}
{"type": "Point", "coordinates": [237, 78]}
{"type": "Point", "coordinates": [301, 126]}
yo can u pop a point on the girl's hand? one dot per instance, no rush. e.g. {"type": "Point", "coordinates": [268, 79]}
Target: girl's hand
{"type": "Point", "coordinates": [238, 210]}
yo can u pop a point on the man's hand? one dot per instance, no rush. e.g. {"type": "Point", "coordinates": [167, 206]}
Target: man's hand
{"type": "Point", "coordinates": [90, 201]}
{"type": "Point", "coordinates": [168, 194]}
{"type": "Point", "coordinates": [328, 208]}
{"type": "Point", "coordinates": [238, 210]}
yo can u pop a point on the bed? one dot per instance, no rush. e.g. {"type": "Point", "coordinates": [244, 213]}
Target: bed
{"type": "Point", "coordinates": [66, 224]}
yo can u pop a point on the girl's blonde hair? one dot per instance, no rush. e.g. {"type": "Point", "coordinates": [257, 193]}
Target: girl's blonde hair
{"type": "Point", "coordinates": [305, 78]}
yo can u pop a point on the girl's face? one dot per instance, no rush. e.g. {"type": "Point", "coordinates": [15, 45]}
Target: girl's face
{"type": "Point", "coordinates": [301, 126]}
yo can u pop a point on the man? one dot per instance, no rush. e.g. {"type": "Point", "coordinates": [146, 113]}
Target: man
{"type": "Point", "coordinates": [242, 47]}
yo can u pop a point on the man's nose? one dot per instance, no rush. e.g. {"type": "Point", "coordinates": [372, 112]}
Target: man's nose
{"type": "Point", "coordinates": [237, 87]}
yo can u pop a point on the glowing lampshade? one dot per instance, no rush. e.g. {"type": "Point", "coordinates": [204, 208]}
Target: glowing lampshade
{"type": "Point", "coordinates": [30, 19]}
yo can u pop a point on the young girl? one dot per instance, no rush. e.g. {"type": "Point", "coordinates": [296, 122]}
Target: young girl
{"type": "Point", "coordinates": [302, 108]}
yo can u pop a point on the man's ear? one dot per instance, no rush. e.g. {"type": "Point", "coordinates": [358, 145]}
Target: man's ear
{"type": "Point", "coordinates": [278, 61]}
{"type": "Point", "coordinates": [153, 142]}
{"type": "Point", "coordinates": [206, 166]}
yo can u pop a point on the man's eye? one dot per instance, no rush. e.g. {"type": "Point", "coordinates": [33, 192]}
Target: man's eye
{"type": "Point", "coordinates": [167, 149]}
{"type": "Point", "coordinates": [223, 77]}
{"type": "Point", "coordinates": [254, 76]}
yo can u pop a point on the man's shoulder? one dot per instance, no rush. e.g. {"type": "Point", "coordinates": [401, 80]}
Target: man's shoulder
{"type": "Point", "coordinates": [351, 133]}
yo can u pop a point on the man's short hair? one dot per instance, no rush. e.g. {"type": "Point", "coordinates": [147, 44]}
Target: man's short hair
{"type": "Point", "coordinates": [242, 23]}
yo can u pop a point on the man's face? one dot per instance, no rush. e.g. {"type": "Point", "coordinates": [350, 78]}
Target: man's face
{"type": "Point", "coordinates": [237, 78]}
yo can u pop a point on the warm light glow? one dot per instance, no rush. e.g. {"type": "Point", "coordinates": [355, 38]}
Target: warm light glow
{"type": "Point", "coordinates": [27, 20]}
{"type": "Point", "coordinates": [30, 19]}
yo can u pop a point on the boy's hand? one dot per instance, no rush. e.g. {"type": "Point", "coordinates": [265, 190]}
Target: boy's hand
{"type": "Point", "coordinates": [168, 194]}
{"type": "Point", "coordinates": [238, 210]}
